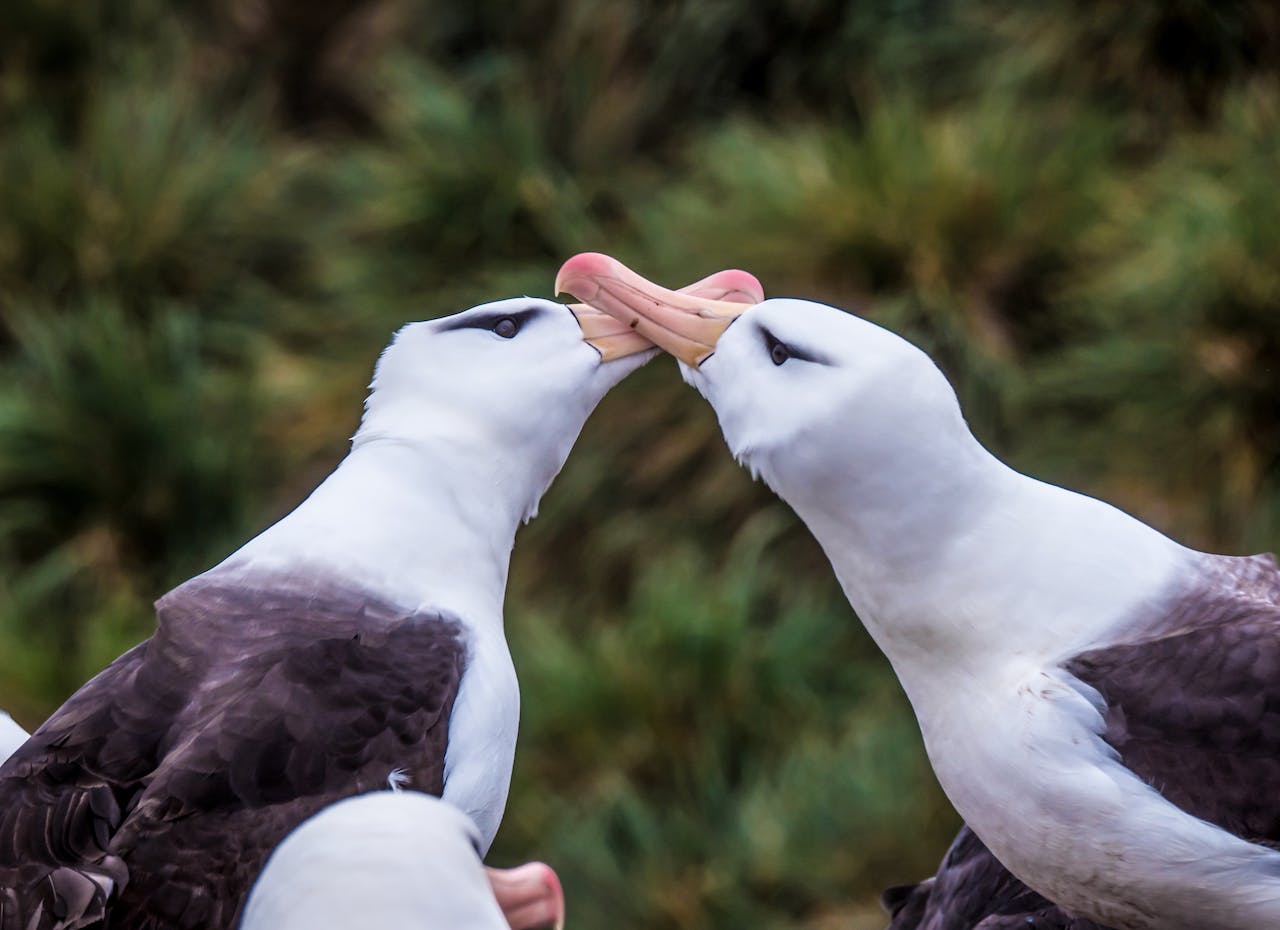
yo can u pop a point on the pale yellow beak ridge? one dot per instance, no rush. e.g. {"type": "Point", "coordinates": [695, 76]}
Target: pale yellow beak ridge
{"type": "Point", "coordinates": [611, 338]}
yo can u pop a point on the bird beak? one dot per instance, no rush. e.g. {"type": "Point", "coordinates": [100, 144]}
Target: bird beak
{"type": "Point", "coordinates": [530, 896]}
{"type": "Point", "coordinates": [624, 313]}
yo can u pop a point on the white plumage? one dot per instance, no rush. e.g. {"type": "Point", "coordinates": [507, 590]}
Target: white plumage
{"type": "Point", "coordinates": [1017, 615]}
{"type": "Point", "coordinates": [463, 432]}
{"type": "Point", "coordinates": [11, 736]}
{"type": "Point", "coordinates": [381, 861]}
{"type": "Point", "coordinates": [361, 635]}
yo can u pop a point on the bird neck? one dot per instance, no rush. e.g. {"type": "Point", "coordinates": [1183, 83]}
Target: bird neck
{"type": "Point", "coordinates": [955, 568]}
{"type": "Point", "coordinates": [422, 525]}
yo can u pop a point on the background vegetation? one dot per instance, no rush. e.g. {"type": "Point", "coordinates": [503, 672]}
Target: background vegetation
{"type": "Point", "coordinates": [213, 215]}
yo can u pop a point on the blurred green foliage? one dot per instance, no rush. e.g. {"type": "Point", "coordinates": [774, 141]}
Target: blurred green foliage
{"type": "Point", "coordinates": [213, 215]}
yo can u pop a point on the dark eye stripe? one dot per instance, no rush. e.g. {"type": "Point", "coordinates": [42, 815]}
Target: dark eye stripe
{"type": "Point", "coordinates": [490, 320]}
{"type": "Point", "coordinates": [780, 352]}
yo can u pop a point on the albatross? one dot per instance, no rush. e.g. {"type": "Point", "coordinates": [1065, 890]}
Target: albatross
{"type": "Point", "coordinates": [394, 858]}
{"type": "Point", "coordinates": [1100, 703]}
{"type": "Point", "coordinates": [384, 861]}
{"type": "Point", "coordinates": [356, 644]}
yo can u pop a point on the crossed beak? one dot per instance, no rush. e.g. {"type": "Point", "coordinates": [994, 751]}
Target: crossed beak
{"type": "Point", "coordinates": [624, 313]}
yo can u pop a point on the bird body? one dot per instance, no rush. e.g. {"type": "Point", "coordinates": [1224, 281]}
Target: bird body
{"type": "Point", "coordinates": [984, 588]}
{"type": "Point", "coordinates": [356, 643]}
{"type": "Point", "coordinates": [446, 550]}
{"type": "Point", "coordinates": [1099, 702]}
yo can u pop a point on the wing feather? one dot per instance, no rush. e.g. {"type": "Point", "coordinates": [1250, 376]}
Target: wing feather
{"type": "Point", "coordinates": [154, 795]}
{"type": "Point", "coordinates": [1193, 700]}
{"type": "Point", "coordinates": [1192, 697]}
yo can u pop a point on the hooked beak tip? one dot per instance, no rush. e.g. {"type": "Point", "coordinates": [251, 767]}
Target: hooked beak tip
{"type": "Point", "coordinates": [577, 276]}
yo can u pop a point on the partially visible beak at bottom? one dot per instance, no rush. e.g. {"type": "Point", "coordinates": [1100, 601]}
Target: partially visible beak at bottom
{"type": "Point", "coordinates": [530, 896]}
{"type": "Point", "coordinates": [687, 323]}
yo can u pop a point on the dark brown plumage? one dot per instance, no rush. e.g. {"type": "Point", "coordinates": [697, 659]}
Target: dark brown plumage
{"type": "Point", "coordinates": [176, 770]}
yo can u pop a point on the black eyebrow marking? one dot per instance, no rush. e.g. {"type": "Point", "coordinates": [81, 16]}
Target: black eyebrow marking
{"type": "Point", "coordinates": [804, 355]}
{"type": "Point", "coordinates": [491, 318]}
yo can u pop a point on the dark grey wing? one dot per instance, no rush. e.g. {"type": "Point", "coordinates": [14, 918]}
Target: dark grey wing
{"type": "Point", "coordinates": [973, 891]}
{"type": "Point", "coordinates": [323, 704]}
{"type": "Point", "coordinates": [1193, 706]}
{"type": "Point", "coordinates": [288, 704]}
{"type": "Point", "coordinates": [63, 793]}
{"type": "Point", "coordinates": [330, 719]}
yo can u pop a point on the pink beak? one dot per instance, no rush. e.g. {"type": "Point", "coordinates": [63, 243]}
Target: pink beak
{"type": "Point", "coordinates": [530, 896]}
{"type": "Point", "coordinates": [687, 323]}
{"type": "Point", "coordinates": [612, 331]}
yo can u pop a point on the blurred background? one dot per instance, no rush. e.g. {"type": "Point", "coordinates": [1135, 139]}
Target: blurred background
{"type": "Point", "coordinates": [213, 215]}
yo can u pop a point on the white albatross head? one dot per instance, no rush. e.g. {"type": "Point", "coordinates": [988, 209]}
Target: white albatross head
{"type": "Point", "coordinates": [468, 419]}
{"type": "Point", "coordinates": [506, 385]}
{"type": "Point", "coordinates": [393, 859]}
{"type": "Point", "coordinates": [823, 405]}
{"type": "Point", "coordinates": [519, 374]}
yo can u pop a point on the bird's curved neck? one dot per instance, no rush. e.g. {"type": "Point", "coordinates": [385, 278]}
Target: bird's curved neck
{"type": "Point", "coordinates": [960, 561]}
{"type": "Point", "coordinates": [422, 526]}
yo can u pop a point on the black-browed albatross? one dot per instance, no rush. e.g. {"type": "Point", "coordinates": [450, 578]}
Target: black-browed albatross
{"type": "Point", "coordinates": [1100, 703]}
{"type": "Point", "coordinates": [387, 860]}
{"type": "Point", "coordinates": [356, 643]}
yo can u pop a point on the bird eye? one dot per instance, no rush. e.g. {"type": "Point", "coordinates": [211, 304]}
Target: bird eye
{"type": "Point", "coordinates": [779, 353]}
{"type": "Point", "coordinates": [506, 327]}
